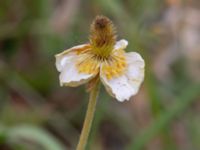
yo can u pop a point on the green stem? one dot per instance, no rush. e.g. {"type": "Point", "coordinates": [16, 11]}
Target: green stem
{"type": "Point", "coordinates": [88, 118]}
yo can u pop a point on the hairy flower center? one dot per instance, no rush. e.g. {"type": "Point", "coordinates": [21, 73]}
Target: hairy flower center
{"type": "Point", "coordinates": [102, 37]}
{"type": "Point", "coordinates": [100, 54]}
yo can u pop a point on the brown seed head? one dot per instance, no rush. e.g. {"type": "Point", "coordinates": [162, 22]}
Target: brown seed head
{"type": "Point", "coordinates": [102, 37]}
{"type": "Point", "coordinates": [101, 23]}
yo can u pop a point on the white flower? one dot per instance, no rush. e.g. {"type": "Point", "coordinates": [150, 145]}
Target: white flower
{"type": "Point", "coordinates": [121, 73]}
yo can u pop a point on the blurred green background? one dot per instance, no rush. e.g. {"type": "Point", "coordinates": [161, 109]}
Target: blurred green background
{"type": "Point", "coordinates": [37, 114]}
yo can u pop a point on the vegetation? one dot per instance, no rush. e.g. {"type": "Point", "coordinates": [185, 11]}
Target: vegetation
{"type": "Point", "coordinates": [36, 113]}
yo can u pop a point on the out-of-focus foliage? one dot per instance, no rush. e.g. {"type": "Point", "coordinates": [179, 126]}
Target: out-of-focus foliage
{"type": "Point", "coordinates": [36, 113]}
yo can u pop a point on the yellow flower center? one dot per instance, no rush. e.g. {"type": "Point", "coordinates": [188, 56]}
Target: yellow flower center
{"type": "Point", "coordinates": [114, 66]}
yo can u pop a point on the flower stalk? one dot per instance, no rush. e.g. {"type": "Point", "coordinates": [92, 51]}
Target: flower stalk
{"type": "Point", "coordinates": [89, 117]}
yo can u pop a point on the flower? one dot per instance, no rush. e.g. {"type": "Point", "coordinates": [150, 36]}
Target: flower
{"type": "Point", "coordinates": [121, 73]}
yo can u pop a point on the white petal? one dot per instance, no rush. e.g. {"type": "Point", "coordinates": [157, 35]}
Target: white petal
{"type": "Point", "coordinates": [119, 87]}
{"type": "Point", "coordinates": [126, 85]}
{"type": "Point", "coordinates": [71, 77]}
{"type": "Point", "coordinates": [66, 64]}
{"type": "Point", "coordinates": [122, 44]}
{"type": "Point", "coordinates": [135, 70]}
{"type": "Point", "coordinates": [66, 56]}
{"type": "Point", "coordinates": [61, 60]}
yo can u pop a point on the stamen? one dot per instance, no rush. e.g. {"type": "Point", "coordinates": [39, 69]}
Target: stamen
{"type": "Point", "coordinates": [114, 67]}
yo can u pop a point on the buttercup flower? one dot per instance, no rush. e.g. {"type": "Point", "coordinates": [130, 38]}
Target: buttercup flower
{"type": "Point", "coordinates": [102, 58]}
